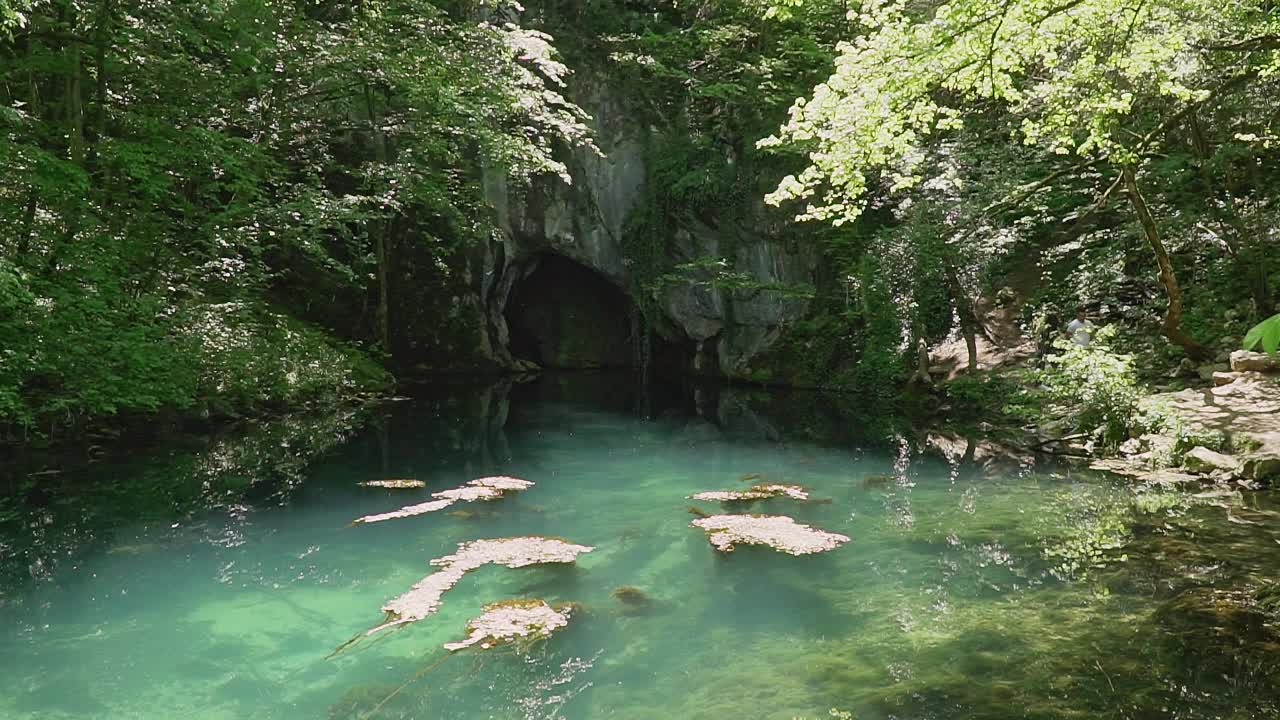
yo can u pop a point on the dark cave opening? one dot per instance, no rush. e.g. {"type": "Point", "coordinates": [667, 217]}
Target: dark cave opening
{"type": "Point", "coordinates": [564, 315]}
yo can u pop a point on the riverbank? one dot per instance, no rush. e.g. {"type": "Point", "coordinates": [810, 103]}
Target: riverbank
{"type": "Point", "coordinates": [1226, 433]}
{"type": "Point", "coordinates": [210, 366]}
{"type": "Point", "coordinates": [1217, 424]}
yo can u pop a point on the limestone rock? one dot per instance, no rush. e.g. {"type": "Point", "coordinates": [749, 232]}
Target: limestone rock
{"type": "Point", "coordinates": [1261, 467]}
{"type": "Point", "coordinates": [1140, 471]}
{"type": "Point", "coordinates": [486, 488]}
{"type": "Point", "coordinates": [1224, 378]}
{"type": "Point", "coordinates": [403, 484]}
{"type": "Point", "coordinates": [762, 491]}
{"type": "Point", "coordinates": [585, 222]}
{"type": "Point", "coordinates": [511, 621]}
{"type": "Point", "coordinates": [776, 531]}
{"type": "Point", "coordinates": [1204, 461]}
{"type": "Point", "coordinates": [1132, 446]}
{"type": "Point", "coordinates": [1206, 372]}
{"type": "Point", "coordinates": [1245, 361]}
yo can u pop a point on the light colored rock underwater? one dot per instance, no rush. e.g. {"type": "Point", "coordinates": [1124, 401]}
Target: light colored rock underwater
{"type": "Point", "coordinates": [510, 621]}
{"type": "Point", "coordinates": [394, 484]}
{"type": "Point", "coordinates": [424, 598]}
{"type": "Point", "coordinates": [763, 491]}
{"type": "Point", "coordinates": [776, 531]}
{"type": "Point", "coordinates": [483, 489]}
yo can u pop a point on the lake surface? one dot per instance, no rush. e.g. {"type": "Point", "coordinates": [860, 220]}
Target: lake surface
{"type": "Point", "coordinates": [211, 582]}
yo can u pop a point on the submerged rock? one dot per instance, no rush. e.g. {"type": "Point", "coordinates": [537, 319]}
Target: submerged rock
{"type": "Point", "coordinates": [1263, 467]}
{"type": "Point", "coordinates": [1223, 631]}
{"type": "Point", "coordinates": [424, 598]}
{"type": "Point", "coordinates": [763, 491]}
{"type": "Point", "coordinates": [877, 481]}
{"type": "Point", "coordinates": [503, 623]}
{"type": "Point", "coordinates": [776, 531]}
{"type": "Point", "coordinates": [394, 484]}
{"type": "Point", "coordinates": [489, 488]}
{"type": "Point", "coordinates": [631, 595]}
{"type": "Point", "coordinates": [634, 601]}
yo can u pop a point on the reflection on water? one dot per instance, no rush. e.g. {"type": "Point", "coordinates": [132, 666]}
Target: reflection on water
{"type": "Point", "coordinates": [212, 583]}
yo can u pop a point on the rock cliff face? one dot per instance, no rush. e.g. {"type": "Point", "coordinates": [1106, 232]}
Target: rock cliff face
{"type": "Point", "coordinates": [584, 221]}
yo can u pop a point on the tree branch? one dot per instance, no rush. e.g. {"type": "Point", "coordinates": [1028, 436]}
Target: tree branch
{"type": "Point", "coordinates": [1262, 42]}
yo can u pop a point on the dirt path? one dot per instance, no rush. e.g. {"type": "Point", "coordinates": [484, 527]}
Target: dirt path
{"type": "Point", "coordinates": [1005, 344]}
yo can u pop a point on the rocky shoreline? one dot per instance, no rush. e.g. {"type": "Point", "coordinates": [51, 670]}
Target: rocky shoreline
{"type": "Point", "coordinates": [1236, 420]}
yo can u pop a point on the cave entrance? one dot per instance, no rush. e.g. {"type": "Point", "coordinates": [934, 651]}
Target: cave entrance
{"type": "Point", "coordinates": [564, 315]}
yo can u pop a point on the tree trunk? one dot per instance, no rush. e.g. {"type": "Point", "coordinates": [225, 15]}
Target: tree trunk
{"type": "Point", "coordinates": [966, 311]}
{"type": "Point", "coordinates": [1173, 314]}
{"type": "Point", "coordinates": [75, 107]}
{"type": "Point", "coordinates": [921, 376]}
{"type": "Point", "coordinates": [970, 341]}
{"type": "Point", "coordinates": [383, 313]}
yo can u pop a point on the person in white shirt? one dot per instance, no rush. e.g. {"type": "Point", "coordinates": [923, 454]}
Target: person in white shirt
{"type": "Point", "coordinates": [1081, 330]}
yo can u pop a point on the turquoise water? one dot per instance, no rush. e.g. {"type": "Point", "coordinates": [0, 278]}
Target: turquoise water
{"type": "Point", "coordinates": [211, 583]}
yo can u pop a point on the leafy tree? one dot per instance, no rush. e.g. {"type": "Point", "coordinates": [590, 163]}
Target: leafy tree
{"type": "Point", "coordinates": [1098, 82]}
{"type": "Point", "coordinates": [174, 170]}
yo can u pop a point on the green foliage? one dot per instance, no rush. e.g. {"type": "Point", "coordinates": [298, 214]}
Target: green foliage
{"type": "Point", "coordinates": [988, 395]}
{"type": "Point", "coordinates": [77, 357]}
{"type": "Point", "coordinates": [884, 359]}
{"type": "Point", "coordinates": [247, 358]}
{"type": "Point", "coordinates": [817, 352]}
{"type": "Point", "coordinates": [1098, 530]}
{"type": "Point", "coordinates": [1265, 336]}
{"type": "Point", "coordinates": [1097, 386]}
{"type": "Point", "coordinates": [1168, 93]}
{"type": "Point", "coordinates": [1070, 75]}
{"type": "Point", "coordinates": [182, 167]}
{"type": "Point", "coordinates": [1160, 502]}
{"type": "Point", "coordinates": [1186, 436]}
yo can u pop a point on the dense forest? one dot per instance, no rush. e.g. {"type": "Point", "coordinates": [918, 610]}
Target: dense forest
{"type": "Point", "coordinates": [219, 210]}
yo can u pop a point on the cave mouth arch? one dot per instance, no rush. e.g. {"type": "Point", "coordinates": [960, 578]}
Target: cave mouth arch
{"type": "Point", "coordinates": [564, 315]}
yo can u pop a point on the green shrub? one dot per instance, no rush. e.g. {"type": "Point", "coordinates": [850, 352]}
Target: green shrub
{"type": "Point", "coordinates": [247, 357]}
{"type": "Point", "coordinates": [1164, 420]}
{"type": "Point", "coordinates": [75, 355]}
{"type": "Point", "coordinates": [985, 394]}
{"type": "Point", "coordinates": [1098, 386]}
